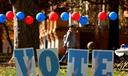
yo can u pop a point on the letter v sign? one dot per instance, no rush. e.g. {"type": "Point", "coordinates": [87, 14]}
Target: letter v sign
{"type": "Point", "coordinates": [25, 63]}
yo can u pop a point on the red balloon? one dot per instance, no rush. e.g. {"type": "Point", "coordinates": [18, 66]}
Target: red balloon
{"type": "Point", "coordinates": [102, 15]}
{"type": "Point", "coordinates": [9, 15]}
{"type": "Point", "coordinates": [53, 16]}
{"type": "Point", "coordinates": [75, 16]}
{"type": "Point", "coordinates": [29, 20]}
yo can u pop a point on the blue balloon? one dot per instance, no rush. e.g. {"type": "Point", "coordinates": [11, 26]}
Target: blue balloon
{"type": "Point", "coordinates": [2, 18]}
{"type": "Point", "coordinates": [113, 16]}
{"type": "Point", "coordinates": [64, 16]}
{"type": "Point", "coordinates": [40, 17]}
{"type": "Point", "coordinates": [20, 15]}
{"type": "Point", "coordinates": [83, 20]}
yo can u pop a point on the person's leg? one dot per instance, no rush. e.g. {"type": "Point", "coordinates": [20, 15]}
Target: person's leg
{"type": "Point", "coordinates": [64, 57]}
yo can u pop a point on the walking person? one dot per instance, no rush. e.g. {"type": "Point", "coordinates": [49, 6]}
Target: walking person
{"type": "Point", "coordinates": [70, 41]}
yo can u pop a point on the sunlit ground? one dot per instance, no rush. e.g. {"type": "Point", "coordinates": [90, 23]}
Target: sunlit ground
{"type": "Point", "coordinates": [11, 71]}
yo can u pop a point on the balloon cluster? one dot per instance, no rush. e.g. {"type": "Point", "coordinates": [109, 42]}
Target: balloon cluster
{"type": "Point", "coordinates": [75, 16]}
{"type": "Point", "coordinates": [103, 15]}
{"type": "Point", "coordinates": [53, 16]}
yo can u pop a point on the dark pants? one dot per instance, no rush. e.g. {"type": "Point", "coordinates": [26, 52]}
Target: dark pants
{"type": "Point", "coordinates": [64, 57]}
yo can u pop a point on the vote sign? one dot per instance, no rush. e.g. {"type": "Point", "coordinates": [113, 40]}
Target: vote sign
{"type": "Point", "coordinates": [102, 62]}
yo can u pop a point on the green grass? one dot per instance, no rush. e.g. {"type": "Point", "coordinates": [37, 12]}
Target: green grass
{"type": "Point", "coordinates": [7, 71]}
{"type": "Point", "coordinates": [116, 72]}
{"type": "Point", "coordinates": [11, 71]}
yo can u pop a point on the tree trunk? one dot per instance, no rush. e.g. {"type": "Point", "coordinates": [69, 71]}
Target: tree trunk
{"type": "Point", "coordinates": [7, 37]}
{"type": "Point", "coordinates": [114, 26]}
{"type": "Point", "coordinates": [26, 36]}
{"type": "Point", "coordinates": [1, 43]}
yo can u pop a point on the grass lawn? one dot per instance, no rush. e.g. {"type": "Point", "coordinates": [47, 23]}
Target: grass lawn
{"type": "Point", "coordinates": [116, 72]}
{"type": "Point", "coordinates": [11, 71]}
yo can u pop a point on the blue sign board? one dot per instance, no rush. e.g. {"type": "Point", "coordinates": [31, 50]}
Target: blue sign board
{"type": "Point", "coordinates": [77, 62]}
{"type": "Point", "coordinates": [25, 62]}
{"type": "Point", "coordinates": [48, 62]}
{"type": "Point", "coordinates": [102, 62]}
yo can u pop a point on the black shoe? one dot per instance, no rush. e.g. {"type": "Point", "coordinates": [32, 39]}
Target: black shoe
{"type": "Point", "coordinates": [62, 63]}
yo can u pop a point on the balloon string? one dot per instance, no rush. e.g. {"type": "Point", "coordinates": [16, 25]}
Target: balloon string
{"type": "Point", "coordinates": [70, 21]}
{"type": "Point", "coordinates": [103, 6]}
{"type": "Point", "coordinates": [86, 6]}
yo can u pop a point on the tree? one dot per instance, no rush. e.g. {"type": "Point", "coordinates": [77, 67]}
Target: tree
{"type": "Point", "coordinates": [25, 35]}
{"type": "Point", "coordinates": [28, 35]}
{"type": "Point", "coordinates": [114, 26]}
{"type": "Point", "coordinates": [3, 27]}
{"type": "Point", "coordinates": [1, 43]}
